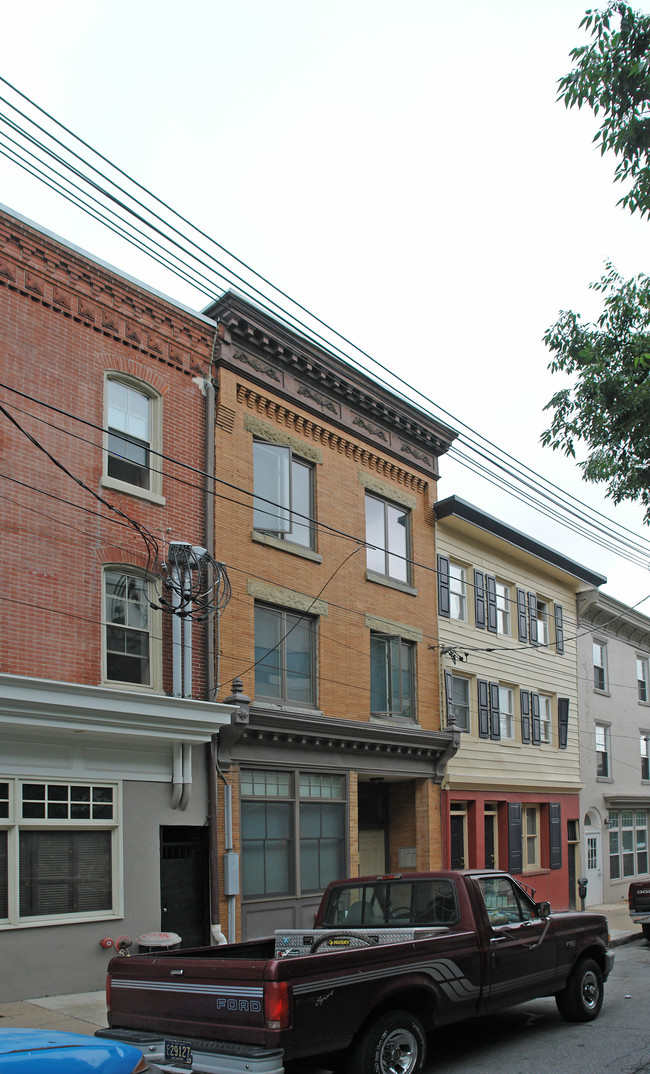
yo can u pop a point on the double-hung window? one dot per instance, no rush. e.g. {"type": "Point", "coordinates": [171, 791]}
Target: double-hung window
{"type": "Point", "coordinates": [133, 432]}
{"type": "Point", "coordinates": [503, 608]}
{"type": "Point", "coordinates": [457, 592]}
{"type": "Point", "coordinates": [293, 832]}
{"type": "Point", "coordinates": [603, 759]}
{"type": "Point", "coordinates": [458, 705]}
{"type": "Point", "coordinates": [531, 837]}
{"type": "Point", "coordinates": [388, 537]}
{"type": "Point", "coordinates": [645, 756]}
{"type": "Point", "coordinates": [642, 678]}
{"type": "Point", "coordinates": [545, 718]}
{"type": "Point", "coordinates": [58, 851]}
{"type": "Point", "coordinates": [507, 712]}
{"type": "Point", "coordinates": [283, 504]}
{"type": "Point", "coordinates": [542, 622]}
{"type": "Point", "coordinates": [600, 666]}
{"type": "Point", "coordinates": [392, 676]}
{"type": "Point", "coordinates": [128, 639]}
{"type": "Point", "coordinates": [285, 660]}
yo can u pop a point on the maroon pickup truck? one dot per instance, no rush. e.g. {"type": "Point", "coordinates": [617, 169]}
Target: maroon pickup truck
{"type": "Point", "coordinates": [638, 898]}
{"type": "Point", "coordinates": [389, 959]}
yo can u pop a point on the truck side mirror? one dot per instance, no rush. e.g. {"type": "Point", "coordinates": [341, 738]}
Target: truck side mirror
{"type": "Point", "coordinates": [543, 910]}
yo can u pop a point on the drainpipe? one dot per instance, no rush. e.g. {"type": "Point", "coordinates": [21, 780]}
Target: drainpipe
{"type": "Point", "coordinates": [212, 677]}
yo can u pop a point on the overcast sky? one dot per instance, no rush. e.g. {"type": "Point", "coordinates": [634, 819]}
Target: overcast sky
{"type": "Point", "coordinates": [405, 172]}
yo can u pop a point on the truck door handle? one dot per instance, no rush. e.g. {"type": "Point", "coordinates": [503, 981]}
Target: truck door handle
{"type": "Point", "coordinates": [498, 939]}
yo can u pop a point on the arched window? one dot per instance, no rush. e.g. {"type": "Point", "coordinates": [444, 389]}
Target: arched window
{"type": "Point", "coordinates": [133, 423]}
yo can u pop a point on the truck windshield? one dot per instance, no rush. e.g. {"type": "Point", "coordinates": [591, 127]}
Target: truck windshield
{"type": "Point", "coordinates": [393, 904]}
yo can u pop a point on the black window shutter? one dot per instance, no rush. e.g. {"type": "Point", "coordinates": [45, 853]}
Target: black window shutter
{"type": "Point", "coordinates": [559, 629]}
{"type": "Point", "coordinates": [449, 696]}
{"type": "Point", "coordinates": [563, 722]}
{"type": "Point", "coordinates": [532, 618]}
{"type": "Point", "coordinates": [444, 603]}
{"type": "Point", "coordinates": [515, 851]}
{"type": "Point", "coordinates": [522, 615]}
{"type": "Point", "coordinates": [495, 719]}
{"type": "Point", "coordinates": [491, 590]}
{"type": "Point", "coordinates": [537, 730]}
{"type": "Point", "coordinates": [555, 835]}
{"type": "Point", "coordinates": [483, 709]}
{"type": "Point", "coordinates": [524, 698]}
{"type": "Point", "coordinates": [479, 599]}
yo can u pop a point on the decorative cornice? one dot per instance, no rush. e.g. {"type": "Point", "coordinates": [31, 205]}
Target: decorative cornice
{"type": "Point", "coordinates": [315, 379]}
{"type": "Point", "coordinates": [72, 285]}
{"type": "Point", "coordinates": [296, 422]}
{"type": "Point", "coordinates": [605, 615]}
{"type": "Point", "coordinates": [363, 747]}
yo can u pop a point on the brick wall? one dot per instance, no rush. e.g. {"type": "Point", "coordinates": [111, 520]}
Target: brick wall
{"type": "Point", "coordinates": [64, 322]}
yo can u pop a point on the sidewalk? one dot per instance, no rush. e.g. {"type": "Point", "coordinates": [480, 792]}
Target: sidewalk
{"type": "Point", "coordinates": [86, 1011]}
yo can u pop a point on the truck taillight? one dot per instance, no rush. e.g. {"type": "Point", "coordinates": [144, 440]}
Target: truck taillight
{"type": "Point", "coordinates": [277, 1005]}
{"type": "Point", "coordinates": [108, 991]}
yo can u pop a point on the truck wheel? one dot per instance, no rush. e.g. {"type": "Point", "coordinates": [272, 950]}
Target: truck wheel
{"type": "Point", "coordinates": [394, 1044]}
{"type": "Point", "coordinates": [582, 997]}
{"type": "Point", "coordinates": [646, 931]}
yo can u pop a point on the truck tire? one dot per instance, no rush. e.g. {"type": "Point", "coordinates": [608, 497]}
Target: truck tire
{"type": "Point", "coordinates": [582, 997]}
{"type": "Point", "coordinates": [646, 931]}
{"type": "Point", "coordinates": [394, 1044]}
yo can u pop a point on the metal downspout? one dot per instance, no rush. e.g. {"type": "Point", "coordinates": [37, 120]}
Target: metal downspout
{"type": "Point", "coordinates": [212, 677]}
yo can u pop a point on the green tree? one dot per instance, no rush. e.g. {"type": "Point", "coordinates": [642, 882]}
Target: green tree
{"type": "Point", "coordinates": [612, 77]}
{"type": "Point", "coordinates": [606, 411]}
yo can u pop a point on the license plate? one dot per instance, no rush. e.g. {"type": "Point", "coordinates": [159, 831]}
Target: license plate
{"type": "Point", "coordinates": [176, 1051]}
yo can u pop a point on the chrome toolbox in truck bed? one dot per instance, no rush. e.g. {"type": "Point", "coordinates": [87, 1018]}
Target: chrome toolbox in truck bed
{"type": "Point", "coordinates": [300, 941]}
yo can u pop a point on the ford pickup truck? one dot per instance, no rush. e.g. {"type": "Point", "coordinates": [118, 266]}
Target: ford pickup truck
{"type": "Point", "coordinates": [638, 899]}
{"type": "Point", "coordinates": [389, 959]}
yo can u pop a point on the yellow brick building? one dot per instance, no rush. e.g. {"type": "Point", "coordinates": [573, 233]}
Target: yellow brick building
{"type": "Point", "coordinates": [324, 488]}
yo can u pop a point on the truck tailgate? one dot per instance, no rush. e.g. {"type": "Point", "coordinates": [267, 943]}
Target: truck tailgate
{"type": "Point", "coordinates": [218, 998]}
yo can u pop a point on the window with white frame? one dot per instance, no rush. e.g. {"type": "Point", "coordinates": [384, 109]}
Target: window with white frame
{"type": "Point", "coordinates": [531, 837]}
{"type": "Point", "coordinates": [58, 851]}
{"type": "Point", "coordinates": [388, 536]}
{"type": "Point", "coordinates": [129, 645]}
{"type": "Point", "coordinates": [392, 676]}
{"type": "Point", "coordinates": [545, 718]}
{"type": "Point", "coordinates": [503, 608]}
{"type": "Point", "coordinates": [600, 665]}
{"type": "Point", "coordinates": [507, 712]}
{"type": "Point", "coordinates": [645, 756]}
{"type": "Point", "coordinates": [460, 702]}
{"type": "Point", "coordinates": [293, 831]}
{"type": "Point", "coordinates": [603, 759]}
{"type": "Point", "coordinates": [457, 592]}
{"type": "Point", "coordinates": [642, 678]}
{"type": "Point", "coordinates": [628, 843]}
{"type": "Point", "coordinates": [283, 505]}
{"type": "Point", "coordinates": [285, 655]}
{"type": "Point", "coordinates": [134, 434]}
{"type": "Point", "coordinates": [542, 622]}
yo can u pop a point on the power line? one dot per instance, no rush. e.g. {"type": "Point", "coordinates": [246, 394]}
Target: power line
{"type": "Point", "coordinates": [495, 455]}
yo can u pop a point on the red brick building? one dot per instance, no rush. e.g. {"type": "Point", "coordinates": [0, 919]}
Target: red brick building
{"type": "Point", "coordinates": [103, 785]}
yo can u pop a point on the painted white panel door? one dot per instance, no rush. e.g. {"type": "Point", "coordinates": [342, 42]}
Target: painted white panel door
{"type": "Point", "coordinates": [594, 870]}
